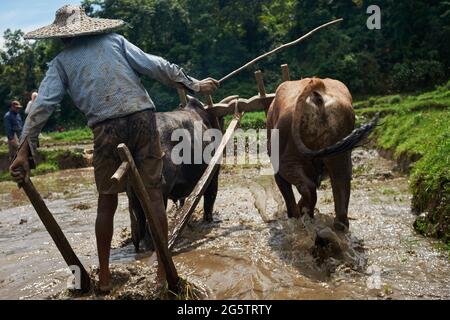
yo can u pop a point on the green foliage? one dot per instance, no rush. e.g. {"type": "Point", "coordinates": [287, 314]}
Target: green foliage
{"type": "Point", "coordinates": [73, 136]}
{"type": "Point", "coordinates": [412, 75]}
{"type": "Point", "coordinates": [417, 130]}
{"type": "Point", "coordinates": [254, 120]}
{"type": "Point", "coordinates": [395, 99]}
{"type": "Point", "coordinates": [212, 38]}
{"type": "Point", "coordinates": [46, 167]}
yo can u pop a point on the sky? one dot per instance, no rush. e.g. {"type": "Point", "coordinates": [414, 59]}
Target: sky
{"type": "Point", "coordinates": [28, 14]}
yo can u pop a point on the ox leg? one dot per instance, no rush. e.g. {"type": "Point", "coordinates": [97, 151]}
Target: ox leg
{"type": "Point", "coordinates": [210, 198]}
{"type": "Point", "coordinates": [166, 201]}
{"type": "Point", "coordinates": [308, 201]}
{"type": "Point", "coordinates": [288, 195]}
{"type": "Point", "coordinates": [340, 171]}
{"type": "Point", "coordinates": [139, 227]}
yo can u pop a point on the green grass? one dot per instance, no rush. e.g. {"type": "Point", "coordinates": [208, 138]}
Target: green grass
{"type": "Point", "coordinates": [254, 120]}
{"type": "Point", "coordinates": [72, 136]}
{"type": "Point", "coordinates": [52, 160]}
{"type": "Point", "coordinates": [3, 149]}
{"type": "Point", "coordinates": [45, 167]}
{"type": "Point", "coordinates": [82, 135]}
{"type": "Point", "coordinates": [51, 157]}
{"type": "Point", "coordinates": [5, 176]}
{"type": "Point", "coordinates": [416, 129]}
{"type": "Point", "coordinates": [438, 99]}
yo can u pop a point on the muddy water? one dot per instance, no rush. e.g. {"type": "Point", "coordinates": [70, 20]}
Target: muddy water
{"type": "Point", "coordinates": [30, 265]}
{"type": "Point", "coordinates": [251, 251]}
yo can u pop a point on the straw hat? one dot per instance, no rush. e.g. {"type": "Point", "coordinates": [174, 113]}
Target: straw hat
{"type": "Point", "coordinates": [72, 21]}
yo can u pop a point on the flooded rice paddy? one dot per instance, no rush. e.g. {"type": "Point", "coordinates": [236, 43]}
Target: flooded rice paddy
{"type": "Point", "coordinates": [250, 251]}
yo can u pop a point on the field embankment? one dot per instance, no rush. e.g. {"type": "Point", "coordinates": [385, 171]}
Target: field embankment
{"type": "Point", "coordinates": [415, 131]}
{"type": "Point", "coordinates": [58, 151]}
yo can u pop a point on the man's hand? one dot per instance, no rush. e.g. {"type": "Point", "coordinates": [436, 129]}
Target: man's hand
{"type": "Point", "coordinates": [20, 168]}
{"type": "Point", "coordinates": [209, 85]}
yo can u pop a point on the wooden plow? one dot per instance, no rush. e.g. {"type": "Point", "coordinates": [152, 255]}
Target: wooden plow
{"type": "Point", "coordinates": [229, 106]}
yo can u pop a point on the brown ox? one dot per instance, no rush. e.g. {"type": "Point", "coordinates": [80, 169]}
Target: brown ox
{"type": "Point", "coordinates": [315, 119]}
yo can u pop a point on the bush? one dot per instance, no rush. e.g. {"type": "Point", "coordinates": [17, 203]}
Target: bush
{"type": "Point", "coordinates": [372, 102]}
{"type": "Point", "coordinates": [395, 99]}
{"type": "Point", "coordinates": [417, 75]}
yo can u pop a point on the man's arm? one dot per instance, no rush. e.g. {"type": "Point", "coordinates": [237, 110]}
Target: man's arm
{"type": "Point", "coordinates": [162, 70]}
{"type": "Point", "coordinates": [52, 91]}
{"type": "Point", "coordinates": [28, 108]}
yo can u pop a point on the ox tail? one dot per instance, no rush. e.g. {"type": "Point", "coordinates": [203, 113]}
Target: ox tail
{"type": "Point", "coordinates": [312, 95]}
{"type": "Point", "coordinates": [350, 142]}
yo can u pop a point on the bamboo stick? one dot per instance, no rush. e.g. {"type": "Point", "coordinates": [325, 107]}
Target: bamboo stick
{"type": "Point", "coordinates": [284, 46]}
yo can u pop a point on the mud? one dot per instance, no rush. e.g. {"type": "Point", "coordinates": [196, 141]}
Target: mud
{"type": "Point", "coordinates": [250, 251]}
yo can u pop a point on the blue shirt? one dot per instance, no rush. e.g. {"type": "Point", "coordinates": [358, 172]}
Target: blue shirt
{"type": "Point", "coordinates": [13, 124]}
{"type": "Point", "coordinates": [102, 75]}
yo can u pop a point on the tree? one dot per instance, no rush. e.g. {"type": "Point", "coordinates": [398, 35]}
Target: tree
{"type": "Point", "coordinates": [214, 37]}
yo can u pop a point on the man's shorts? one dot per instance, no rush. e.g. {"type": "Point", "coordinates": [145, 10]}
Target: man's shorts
{"type": "Point", "coordinates": [138, 131]}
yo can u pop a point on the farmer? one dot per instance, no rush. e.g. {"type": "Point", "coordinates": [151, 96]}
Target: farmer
{"type": "Point", "coordinates": [100, 71]}
{"type": "Point", "coordinates": [13, 127]}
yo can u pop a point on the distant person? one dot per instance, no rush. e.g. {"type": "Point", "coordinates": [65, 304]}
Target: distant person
{"type": "Point", "coordinates": [13, 126]}
{"type": "Point", "coordinates": [101, 71]}
{"type": "Point", "coordinates": [34, 95]}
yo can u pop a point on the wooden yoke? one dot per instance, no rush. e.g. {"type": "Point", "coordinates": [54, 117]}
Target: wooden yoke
{"type": "Point", "coordinates": [285, 72]}
{"type": "Point", "coordinates": [260, 82]}
{"type": "Point", "coordinates": [129, 166]}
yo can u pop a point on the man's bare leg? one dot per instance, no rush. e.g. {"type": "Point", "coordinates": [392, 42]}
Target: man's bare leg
{"type": "Point", "coordinates": [104, 226]}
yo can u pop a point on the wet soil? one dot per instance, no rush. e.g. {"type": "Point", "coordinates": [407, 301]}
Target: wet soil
{"type": "Point", "coordinates": [250, 251]}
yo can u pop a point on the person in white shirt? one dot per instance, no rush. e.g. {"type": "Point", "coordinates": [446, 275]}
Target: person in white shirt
{"type": "Point", "coordinates": [34, 95]}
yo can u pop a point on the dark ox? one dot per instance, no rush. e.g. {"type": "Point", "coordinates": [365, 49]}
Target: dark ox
{"type": "Point", "coordinates": [179, 180]}
{"type": "Point", "coordinates": [315, 119]}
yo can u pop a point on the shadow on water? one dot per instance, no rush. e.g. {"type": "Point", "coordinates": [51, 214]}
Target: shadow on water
{"type": "Point", "coordinates": [199, 232]}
